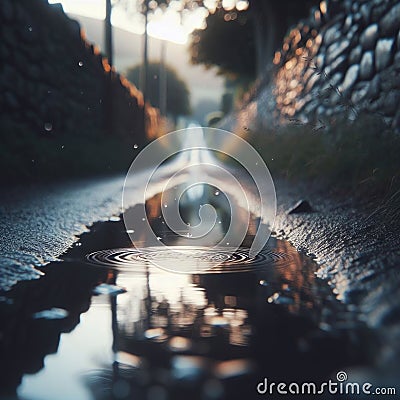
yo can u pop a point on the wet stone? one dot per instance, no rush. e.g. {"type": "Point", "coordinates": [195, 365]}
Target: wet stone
{"type": "Point", "coordinates": [369, 37]}
{"type": "Point", "coordinates": [302, 206]}
{"type": "Point", "coordinates": [332, 34]}
{"type": "Point", "coordinates": [348, 23]}
{"type": "Point", "coordinates": [378, 10]}
{"type": "Point", "coordinates": [392, 100]}
{"type": "Point", "coordinates": [355, 55]}
{"type": "Point", "coordinates": [390, 23]}
{"type": "Point", "coordinates": [360, 94]}
{"type": "Point", "coordinates": [355, 7]}
{"type": "Point", "coordinates": [367, 65]}
{"type": "Point", "coordinates": [336, 79]}
{"type": "Point", "coordinates": [350, 77]}
{"type": "Point", "coordinates": [383, 53]}
{"type": "Point", "coordinates": [338, 65]}
{"type": "Point", "coordinates": [320, 61]}
{"type": "Point", "coordinates": [366, 13]}
{"type": "Point", "coordinates": [374, 88]}
{"type": "Point", "coordinates": [336, 49]}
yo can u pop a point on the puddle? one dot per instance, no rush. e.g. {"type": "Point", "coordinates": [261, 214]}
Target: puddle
{"type": "Point", "coordinates": [191, 259]}
{"type": "Point", "coordinates": [131, 330]}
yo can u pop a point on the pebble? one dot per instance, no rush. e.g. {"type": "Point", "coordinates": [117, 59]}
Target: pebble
{"type": "Point", "coordinates": [302, 206]}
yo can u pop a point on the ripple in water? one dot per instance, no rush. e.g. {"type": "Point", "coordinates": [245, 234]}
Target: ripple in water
{"type": "Point", "coordinates": [187, 259]}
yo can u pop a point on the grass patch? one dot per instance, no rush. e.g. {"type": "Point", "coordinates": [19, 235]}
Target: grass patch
{"type": "Point", "coordinates": [358, 159]}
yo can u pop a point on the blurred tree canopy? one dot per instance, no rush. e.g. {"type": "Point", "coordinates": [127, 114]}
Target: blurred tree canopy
{"type": "Point", "coordinates": [227, 42]}
{"type": "Point", "coordinates": [243, 42]}
{"type": "Point", "coordinates": [178, 95]}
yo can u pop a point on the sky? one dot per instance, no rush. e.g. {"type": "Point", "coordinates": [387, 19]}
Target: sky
{"type": "Point", "coordinates": [161, 25]}
{"type": "Point", "coordinates": [204, 84]}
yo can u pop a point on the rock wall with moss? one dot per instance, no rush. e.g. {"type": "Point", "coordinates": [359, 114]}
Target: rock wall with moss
{"type": "Point", "coordinates": [61, 105]}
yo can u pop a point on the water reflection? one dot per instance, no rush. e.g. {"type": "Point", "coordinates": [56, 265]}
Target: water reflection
{"type": "Point", "coordinates": [134, 331]}
{"type": "Point", "coordinates": [195, 335]}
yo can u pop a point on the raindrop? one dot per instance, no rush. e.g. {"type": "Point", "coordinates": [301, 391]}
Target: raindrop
{"type": "Point", "coordinates": [217, 193]}
{"type": "Point", "coordinates": [143, 219]}
{"type": "Point", "coordinates": [114, 219]}
{"type": "Point", "coordinates": [219, 222]}
{"type": "Point", "coordinates": [135, 146]}
{"type": "Point", "coordinates": [62, 146]}
{"type": "Point", "coordinates": [48, 126]}
{"type": "Point", "coordinates": [227, 243]}
{"type": "Point", "coordinates": [130, 231]}
{"type": "Point", "coordinates": [80, 63]}
{"type": "Point", "coordinates": [165, 205]}
{"type": "Point", "coordinates": [263, 282]}
{"type": "Point", "coordinates": [159, 238]}
{"type": "Point", "coordinates": [78, 244]}
{"type": "Point", "coordinates": [33, 160]}
{"type": "Point", "coordinates": [30, 29]}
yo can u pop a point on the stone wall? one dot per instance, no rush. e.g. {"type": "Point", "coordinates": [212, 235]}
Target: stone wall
{"type": "Point", "coordinates": [342, 61]}
{"type": "Point", "coordinates": [53, 81]}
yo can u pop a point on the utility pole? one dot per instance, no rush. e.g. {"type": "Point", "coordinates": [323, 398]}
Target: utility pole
{"type": "Point", "coordinates": [145, 68]}
{"type": "Point", "coordinates": [163, 80]}
{"type": "Point", "coordinates": [108, 45]}
{"type": "Point", "coordinates": [108, 33]}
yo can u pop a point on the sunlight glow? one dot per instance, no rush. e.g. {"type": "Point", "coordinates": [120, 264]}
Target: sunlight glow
{"type": "Point", "coordinates": [229, 4]}
{"type": "Point", "coordinates": [88, 8]}
{"type": "Point", "coordinates": [167, 26]}
{"type": "Point", "coordinates": [174, 24]}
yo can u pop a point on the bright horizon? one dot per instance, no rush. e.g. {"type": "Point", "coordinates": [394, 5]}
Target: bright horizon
{"type": "Point", "coordinates": [165, 26]}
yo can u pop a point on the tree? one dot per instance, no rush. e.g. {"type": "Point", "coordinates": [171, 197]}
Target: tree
{"type": "Point", "coordinates": [227, 42]}
{"type": "Point", "coordinates": [178, 96]}
{"type": "Point", "coordinates": [245, 41]}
